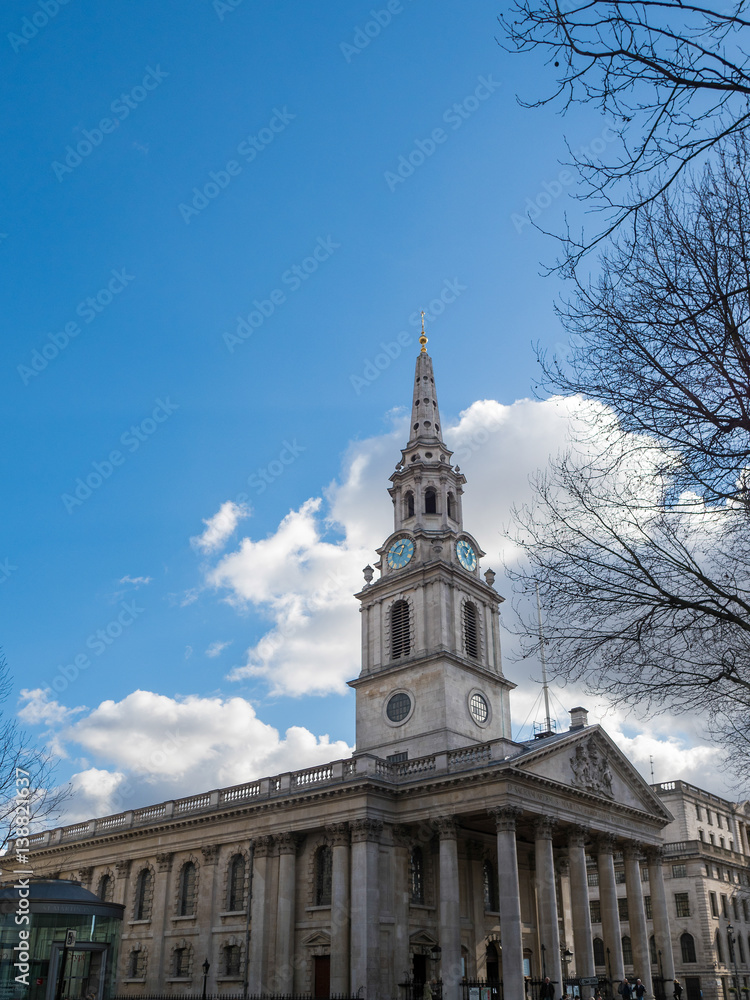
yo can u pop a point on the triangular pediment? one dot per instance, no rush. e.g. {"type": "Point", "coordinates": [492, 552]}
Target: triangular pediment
{"type": "Point", "coordinates": [317, 939]}
{"type": "Point", "coordinates": [422, 939]}
{"type": "Point", "coordinates": [589, 762]}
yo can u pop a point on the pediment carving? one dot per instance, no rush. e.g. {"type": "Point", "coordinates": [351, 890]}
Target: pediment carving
{"type": "Point", "coordinates": [591, 769]}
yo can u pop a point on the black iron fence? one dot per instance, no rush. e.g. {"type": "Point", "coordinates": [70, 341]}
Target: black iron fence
{"type": "Point", "coordinates": [413, 989]}
{"type": "Point", "coordinates": [177, 995]}
{"type": "Point", "coordinates": [481, 989]}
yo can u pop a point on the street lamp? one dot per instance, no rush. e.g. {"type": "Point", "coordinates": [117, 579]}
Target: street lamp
{"type": "Point", "coordinates": [206, 967]}
{"type": "Point", "coordinates": [733, 956]}
{"type": "Point", "coordinates": [544, 963]}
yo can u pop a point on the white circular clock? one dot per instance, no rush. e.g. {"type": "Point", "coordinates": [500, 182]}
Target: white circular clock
{"type": "Point", "coordinates": [400, 552]}
{"type": "Point", "coordinates": [466, 554]}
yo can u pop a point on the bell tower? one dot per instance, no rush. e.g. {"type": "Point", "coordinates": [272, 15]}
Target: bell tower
{"type": "Point", "coordinates": [431, 677]}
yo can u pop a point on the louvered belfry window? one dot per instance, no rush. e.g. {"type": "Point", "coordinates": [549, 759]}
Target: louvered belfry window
{"type": "Point", "coordinates": [400, 637]}
{"type": "Point", "coordinates": [471, 630]}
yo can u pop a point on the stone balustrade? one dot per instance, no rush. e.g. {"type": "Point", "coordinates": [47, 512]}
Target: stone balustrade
{"type": "Point", "coordinates": [291, 782]}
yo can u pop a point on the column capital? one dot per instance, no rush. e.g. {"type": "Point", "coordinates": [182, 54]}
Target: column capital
{"type": "Point", "coordinates": [123, 868]}
{"type": "Point", "coordinates": [164, 861]}
{"type": "Point", "coordinates": [263, 846]}
{"type": "Point", "coordinates": [287, 843]}
{"type": "Point", "coordinates": [366, 830]}
{"type": "Point", "coordinates": [633, 850]}
{"type": "Point", "coordinates": [563, 866]}
{"type": "Point", "coordinates": [605, 843]}
{"type": "Point", "coordinates": [338, 834]}
{"type": "Point", "coordinates": [544, 827]}
{"type": "Point", "coordinates": [505, 817]}
{"type": "Point", "coordinates": [577, 836]}
{"type": "Point", "coordinates": [447, 827]}
{"type": "Point", "coordinates": [655, 855]}
{"type": "Point", "coordinates": [210, 854]}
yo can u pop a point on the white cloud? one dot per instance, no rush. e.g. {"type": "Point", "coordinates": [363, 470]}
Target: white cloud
{"type": "Point", "coordinates": [217, 648]}
{"type": "Point", "coordinates": [188, 652]}
{"type": "Point", "coordinates": [220, 526]}
{"type": "Point", "coordinates": [39, 709]}
{"type": "Point", "coordinates": [154, 747]}
{"type": "Point", "coordinates": [136, 581]}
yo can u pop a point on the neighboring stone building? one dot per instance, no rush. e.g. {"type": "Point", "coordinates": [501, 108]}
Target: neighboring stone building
{"type": "Point", "coordinates": [441, 832]}
{"type": "Point", "coordinates": [707, 864]}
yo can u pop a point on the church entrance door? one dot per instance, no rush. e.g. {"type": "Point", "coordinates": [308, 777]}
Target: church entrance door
{"type": "Point", "coordinates": [322, 974]}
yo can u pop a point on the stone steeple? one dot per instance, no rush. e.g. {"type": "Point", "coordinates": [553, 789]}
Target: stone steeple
{"type": "Point", "coordinates": [431, 676]}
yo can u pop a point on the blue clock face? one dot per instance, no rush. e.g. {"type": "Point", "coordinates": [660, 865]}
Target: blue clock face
{"type": "Point", "coordinates": [466, 555]}
{"type": "Point", "coordinates": [400, 552]}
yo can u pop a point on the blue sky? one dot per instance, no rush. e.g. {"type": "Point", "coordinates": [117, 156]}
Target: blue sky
{"type": "Point", "coordinates": [215, 216]}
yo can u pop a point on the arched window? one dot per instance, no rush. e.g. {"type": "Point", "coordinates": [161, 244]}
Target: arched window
{"type": "Point", "coordinates": [652, 950]}
{"type": "Point", "coordinates": [430, 501]}
{"type": "Point", "coordinates": [106, 888]}
{"type": "Point", "coordinates": [598, 951]}
{"type": "Point", "coordinates": [186, 903]}
{"type": "Point", "coordinates": [236, 884]}
{"type": "Point", "coordinates": [144, 893]}
{"type": "Point", "coordinates": [231, 963]}
{"type": "Point", "coordinates": [687, 945]}
{"type": "Point", "coordinates": [719, 949]}
{"type": "Point", "coordinates": [416, 875]}
{"type": "Point", "coordinates": [409, 504]}
{"type": "Point", "coordinates": [400, 637]}
{"type": "Point", "coordinates": [490, 887]}
{"type": "Point", "coordinates": [451, 506]}
{"type": "Point", "coordinates": [471, 630]}
{"type": "Point", "coordinates": [627, 951]}
{"type": "Point", "coordinates": [323, 875]}
{"type": "Point", "coordinates": [136, 964]}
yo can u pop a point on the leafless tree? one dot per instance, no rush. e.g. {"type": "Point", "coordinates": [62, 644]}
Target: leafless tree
{"type": "Point", "coordinates": [672, 77]}
{"type": "Point", "coordinates": [26, 776]}
{"type": "Point", "coordinates": [639, 538]}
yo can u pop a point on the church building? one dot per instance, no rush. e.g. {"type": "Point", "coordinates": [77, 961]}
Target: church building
{"type": "Point", "coordinates": [440, 849]}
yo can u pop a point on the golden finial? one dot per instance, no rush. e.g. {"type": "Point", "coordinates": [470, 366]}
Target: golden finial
{"type": "Point", "coordinates": [423, 338]}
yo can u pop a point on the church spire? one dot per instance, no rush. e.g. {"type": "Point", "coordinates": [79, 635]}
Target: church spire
{"type": "Point", "coordinates": [425, 415]}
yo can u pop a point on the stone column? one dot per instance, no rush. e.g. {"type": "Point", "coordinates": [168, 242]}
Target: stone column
{"type": "Point", "coordinates": [583, 942]}
{"type": "Point", "coordinates": [258, 971]}
{"type": "Point", "coordinates": [365, 908]}
{"type": "Point", "coordinates": [157, 967]}
{"type": "Point", "coordinates": [283, 978]}
{"type": "Point", "coordinates": [339, 839]}
{"type": "Point", "coordinates": [659, 912]}
{"type": "Point", "coordinates": [549, 928]}
{"type": "Point", "coordinates": [510, 902]}
{"type": "Point", "coordinates": [637, 914]}
{"type": "Point", "coordinates": [611, 931]}
{"type": "Point", "coordinates": [450, 918]}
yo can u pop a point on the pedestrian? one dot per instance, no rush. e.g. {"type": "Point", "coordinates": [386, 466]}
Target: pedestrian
{"type": "Point", "coordinates": [640, 989]}
{"type": "Point", "coordinates": [426, 992]}
{"type": "Point", "coordinates": [547, 990]}
{"type": "Point", "coordinates": [626, 990]}
{"type": "Point", "coordinates": [677, 993]}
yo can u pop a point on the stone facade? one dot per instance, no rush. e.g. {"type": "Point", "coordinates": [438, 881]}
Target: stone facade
{"type": "Point", "coordinates": [440, 831]}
